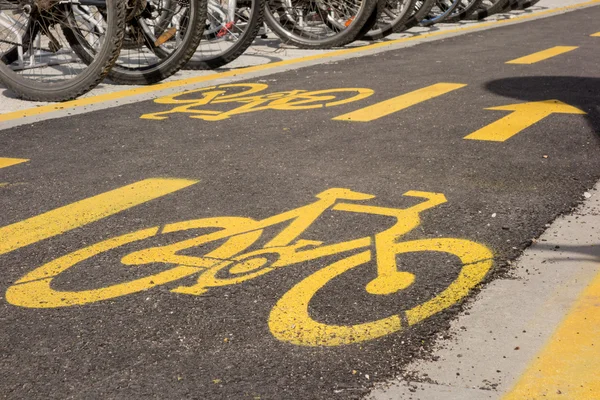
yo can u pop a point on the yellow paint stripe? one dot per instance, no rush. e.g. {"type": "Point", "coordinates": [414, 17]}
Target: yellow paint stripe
{"type": "Point", "coordinates": [569, 365]}
{"type": "Point", "coordinates": [398, 103]}
{"type": "Point", "coordinates": [597, 34]}
{"type": "Point", "coordinates": [523, 116]}
{"type": "Point", "coordinates": [7, 162]}
{"type": "Point", "coordinates": [83, 212]}
{"type": "Point", "coordinates": [237, 72]}
{"type": "Point", "coordinates": [543, 55]}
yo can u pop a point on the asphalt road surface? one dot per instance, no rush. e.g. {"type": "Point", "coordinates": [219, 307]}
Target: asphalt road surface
{"type": "Point", "coordinates": [298, 236]}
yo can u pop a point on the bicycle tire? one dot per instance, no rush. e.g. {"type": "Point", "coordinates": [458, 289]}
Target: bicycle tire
{"type": "Point", "coordinates": [464, 11]}
{"type": "Point", "coordinates": [422, 8]}
{"type": "Point", "coordinates": [439, 13]}
{"type": "Point", "coordinates": [200, 61]}
{"type": "Point", "coordinates": [488, 8]}
{"type": "Point", "coordinates": [154, 62]}
{"type": "Point", "coordinates": [83, 76]}
{"type": "Point", "coordinates": [525, 4]}
{"type": "Point", "coordinates": [290, 320]}
{"type": "Point", "coordinates": [372, 20]}
{"type": "Point", "coordinates": [390, 19]}
{"type": "Point", "coordinates": [292, 33]}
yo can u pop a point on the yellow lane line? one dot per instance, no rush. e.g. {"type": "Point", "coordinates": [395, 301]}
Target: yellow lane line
{"type": "Point", "coordinates": [398, 103]}
{"type": "Point", "coordinates": [7, 162]}
{"type": "Point", "coordinates": [569, 365]}
{"type": "Point", "coordinates": [597, 34]}
{"type": "Point", "coordinates": [237, 72]}
{"type": "Point", "coordinates": [543, 55]}
{"type": "Point", "coordinates": [85, 211]}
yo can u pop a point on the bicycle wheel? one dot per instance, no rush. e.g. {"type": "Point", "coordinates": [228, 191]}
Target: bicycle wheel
{"type": "Point", "coordinates": [372, 20]}
{"type": "Point", "coordinates": [161, 36]}
{"type": "Point", "coordinates": [525, 4]}
{"type": "Point", "coordinates": [439, 12]}
{"type": "Point", "coordinates": [290, 320]}
{"type": "Point", "coordinates": [464, 9]}
{"type": "Point", "coordinates": [38, 62]}
{"type": "Point", "coordinates": [318, 24]}
{"type": "Point", "coordinates": [487, 8]}
{"type": "Point", "coordinates": [230, 29]}
{"type": "Point", "coordinates": [421, 9]}
{"type": "Point", "coordinates": [395, 14]}
{"type": "Point", "coordinates": [36, 289]}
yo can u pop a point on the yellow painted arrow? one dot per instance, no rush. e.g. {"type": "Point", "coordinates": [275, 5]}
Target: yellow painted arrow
{"type": "Point", "coordinates": [523, 116]}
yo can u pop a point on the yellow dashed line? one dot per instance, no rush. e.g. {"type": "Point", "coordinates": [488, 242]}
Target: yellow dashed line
{"type": "Point", "coordinates": [398, 103]}
{"type": "Point", "coordinates": [543, 55]}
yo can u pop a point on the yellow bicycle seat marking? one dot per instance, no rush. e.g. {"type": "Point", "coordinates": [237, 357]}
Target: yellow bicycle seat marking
{"type": "Point", "coordinates": [233, 262]}
{"type": "Point", "coordinates": [246, 98]}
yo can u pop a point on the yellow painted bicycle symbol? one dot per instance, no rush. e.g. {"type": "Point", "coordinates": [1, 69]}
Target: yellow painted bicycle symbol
{"type": "Point", "coordinates": [229, 261]}
{"type": "Point", "coordinates": [247, 98]}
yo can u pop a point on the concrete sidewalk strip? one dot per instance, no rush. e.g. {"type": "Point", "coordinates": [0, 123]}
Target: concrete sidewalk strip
{"type": "Point", "coordinates": [509, 328]}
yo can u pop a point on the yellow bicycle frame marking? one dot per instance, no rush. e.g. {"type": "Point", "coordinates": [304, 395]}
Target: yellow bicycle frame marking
{"type": "Point", "coordinates": [231, 263]}
{"type": "Point", "coordinates": [249, 100]}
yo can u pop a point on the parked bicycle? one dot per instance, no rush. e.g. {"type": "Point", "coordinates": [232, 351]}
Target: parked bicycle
{"type": "Point", "coordinates": [56, 50]}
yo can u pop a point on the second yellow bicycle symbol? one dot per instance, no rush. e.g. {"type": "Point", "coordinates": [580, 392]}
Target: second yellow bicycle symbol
{"type": "Point", "coordinates": [248, 97]}
{"type": "Point", "coordinates": [230, 260]}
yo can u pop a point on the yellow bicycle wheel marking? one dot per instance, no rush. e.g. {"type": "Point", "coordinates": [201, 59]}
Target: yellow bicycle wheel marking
{"type": "Point", "coordinates": [249, 100]}
{"type": "Point", "coordinates": [476, 259]}
{"type": "Point", "coordinates": [291, 322]}
{"type": "Point", "coordinates": [34, 290]}
{"type": "Point", "coordinates": [232, 262]}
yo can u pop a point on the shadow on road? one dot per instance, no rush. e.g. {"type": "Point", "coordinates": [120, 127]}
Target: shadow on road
{"type": "Point", "coordinates": [580, 253]}
{"type": "Point", "coordinates": [580, 92]}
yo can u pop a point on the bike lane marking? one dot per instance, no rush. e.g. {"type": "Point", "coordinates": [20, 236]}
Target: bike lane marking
{"type": "Point", "coordinates": [251, 99]}
{"type": "Point", "coordinates": [569, 365]}
{"type": "Point", "coordinates": [543, 55]}
{"type": "Point", "coordinates": [289, 320]}
{"type": "Point", "coordinates": [146, 92]}
{"type": "Point", "coordinates": [399, 103]}
{"type": "Point", "coordinates": [523, 116]}
{"type": "Point", "coordinates": [83, 212]}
